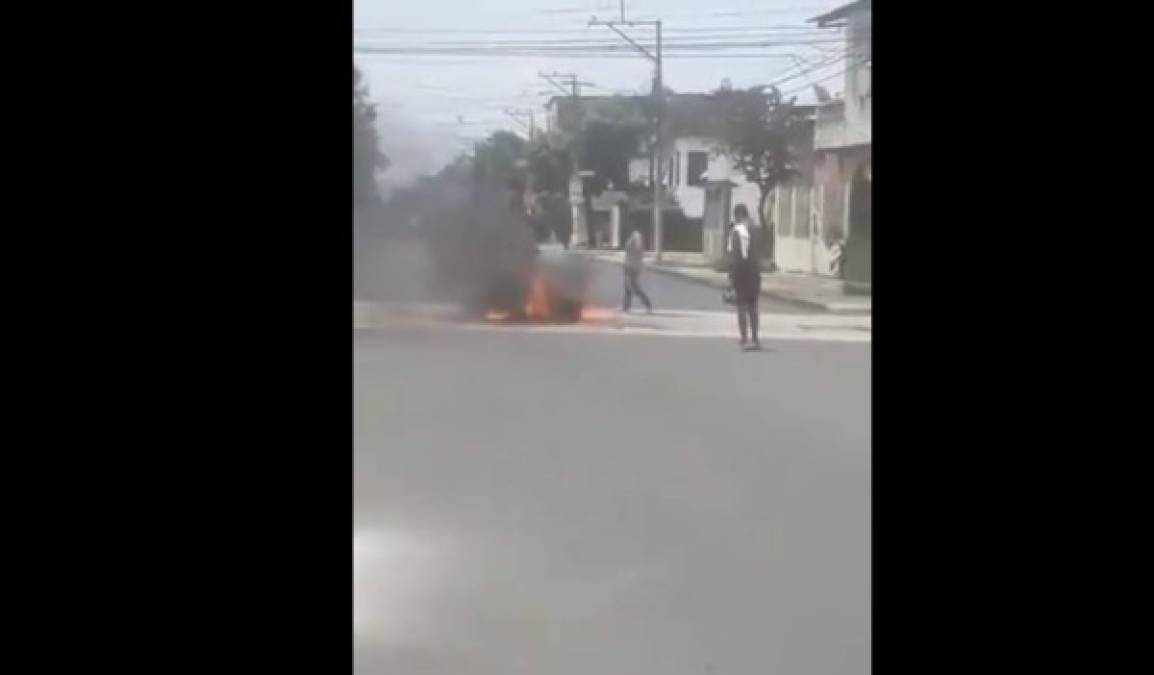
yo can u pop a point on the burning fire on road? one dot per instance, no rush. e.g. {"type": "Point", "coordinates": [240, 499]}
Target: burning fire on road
{"type": "Point", "coordinates": [554, 293]}
{"type": "Point", "coordinates": [545, 303]}
{"type": "Point", "coordinates": [486, 255]}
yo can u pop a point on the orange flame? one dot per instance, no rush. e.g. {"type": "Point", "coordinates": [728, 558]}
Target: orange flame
{"type": "Point", "coordinates": [537, 307]}
{"type": "Point", "coordinates": [595, 314]}
{"type": "Point", "coordinates": [543, 306]}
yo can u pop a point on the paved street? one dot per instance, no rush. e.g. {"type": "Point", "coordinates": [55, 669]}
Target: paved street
{"type": "Point", "coordinates": [391, 270]}
{"type": "Point", "coordinates": [566, 503]}
{"type": "Point", "coordinates": [668, 291]}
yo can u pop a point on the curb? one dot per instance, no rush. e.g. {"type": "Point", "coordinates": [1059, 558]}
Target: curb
{"type": "Point", "coordinates": [832, 308]}
{"type": "Point", "coordinates": [720, 284]}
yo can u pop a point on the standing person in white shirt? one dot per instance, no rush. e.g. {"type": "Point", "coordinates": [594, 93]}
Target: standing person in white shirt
{"type": "Point", "coordinates": [743, 246]}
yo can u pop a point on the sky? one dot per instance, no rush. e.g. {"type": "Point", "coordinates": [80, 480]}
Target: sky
{"type": "Point", "coordinates": [432, 107]}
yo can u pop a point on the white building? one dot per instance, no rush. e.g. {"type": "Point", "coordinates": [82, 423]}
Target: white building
{"type": "Point", "coordinates": [843, 151]}
{"type": "Point", "coordinates": [704, 183]}
{"type": "Point", "coordinates": [701, 184]}
{"type": "Point", "coordinates": [691, 162]}
{"type": "Point", "coordinates": [800, 243]}
{"type": "Point", "coordinates": [699, 178]}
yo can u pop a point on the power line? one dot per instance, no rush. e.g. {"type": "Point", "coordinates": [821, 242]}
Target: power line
{"type": "Point", "coordinates": [729, 56]}
{"type": "Point", "coordinates": [597, 41]}
{"type": "Point", "coordinates": [741, 11]}
{"type": "Point", "coordinates": [584, 36]}
{"type": "Point", "coordinates": [392, 30]}
{"type": "Point", "coordinates": [825, 78]}
{"type": "Point", "coordinates": [439, 59]}
{"type": "Point", "coordinates": [806, 71]}
{"type": "Point", "coordinates": [547, 50]}
{"type": "Point", "coordinates": [670, 15]}
{"type": "Point", "coordinates": [597, 44]}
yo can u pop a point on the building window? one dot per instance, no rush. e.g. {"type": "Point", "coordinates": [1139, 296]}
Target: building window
{"type": "Point", "coordinates": [697, 163]}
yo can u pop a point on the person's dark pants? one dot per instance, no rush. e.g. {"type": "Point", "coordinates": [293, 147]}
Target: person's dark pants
{"type": "Point", "coordinates": [632, 285]}
{"type": "Point", "coordinates": [747, 288]}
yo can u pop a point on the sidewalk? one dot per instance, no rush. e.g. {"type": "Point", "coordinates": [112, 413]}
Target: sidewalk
{"type": "Point", "coordinates": [808, 290]}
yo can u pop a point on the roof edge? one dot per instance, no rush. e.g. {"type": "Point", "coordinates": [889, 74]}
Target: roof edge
{"type": "Point", "coordinates": [841, 12]}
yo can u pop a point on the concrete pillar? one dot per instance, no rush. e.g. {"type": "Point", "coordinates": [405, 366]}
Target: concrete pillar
{"type": "Point", "coordinates": [615, 225]}
{"type": "Point", "coordinates": [815, 209]}
{"type": "Point", "coordinates": [792, 210]}
{"type": "Point", "coordinates": [580, 235]}
{"type": "Point", "coordinates": [775, 209]}
{"type": "Point", "coordinates": [847, 185]}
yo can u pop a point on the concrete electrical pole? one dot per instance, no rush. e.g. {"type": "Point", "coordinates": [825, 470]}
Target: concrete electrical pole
{"type": "Point", "coordinates": [516, 114]}
{"type": "Point", "coordinates": [580, 232]}
{"type": "Point", "coordinates": [655, 155]}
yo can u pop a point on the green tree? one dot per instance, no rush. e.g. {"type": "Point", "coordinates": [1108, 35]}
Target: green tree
{"type": "Point", "coordinates": [605, 147]}
{"type": "Point", "coordinates": [757, 128]}
{"type": "Point", "coordinates": [367, 157]}
{"type": "Point", "coordinates": [549, 167]}
{"type": "Point", "coordinates": [499, 157]}
{"type": "Point", "coordinates": [601, 138]}
{"type": "Point", "coordinates": [608, 137]}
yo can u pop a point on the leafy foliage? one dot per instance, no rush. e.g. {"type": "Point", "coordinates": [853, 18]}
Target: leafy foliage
{"type": "Point", "coordinates": [609, 136]}
{"type": "Point", "coordinates": [499, 156]}
{"type": "Point", "coordinates": [549, 167]}
{"type": "Point", "coordinates": [367, 157]}
{"type": "Point", "coordinates": [757, 128]}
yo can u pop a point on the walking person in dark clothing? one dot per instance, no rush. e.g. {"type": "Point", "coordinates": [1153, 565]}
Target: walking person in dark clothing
{"type": "Point", "coordinates": [744, 248]}
{"type": "Point", "coordinates": [634, 257]}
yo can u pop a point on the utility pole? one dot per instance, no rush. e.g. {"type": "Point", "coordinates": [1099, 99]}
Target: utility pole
{"type": "Point", "coordinates": [575, 83]}
{"type": "Point", "coordinates": [516, 115]}
{"type": "Point", "coordinates": [580, 233]}
{"type": "Point", "coordinates": [655, 155]}
{"type": "Point", "coordinates": [475, 194]}
{"type": "Point", "coordinates": [527, 187]}
{"type": "Point", "coordinates": [659, 93]}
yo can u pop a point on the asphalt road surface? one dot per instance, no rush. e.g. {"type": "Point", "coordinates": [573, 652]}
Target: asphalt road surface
{"type": "Point", "coordinates": [669, 292]}
{"type": "Point", "coordinates": [397, 270]}
{"type": "Point", "coordinates": [532, 503]}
